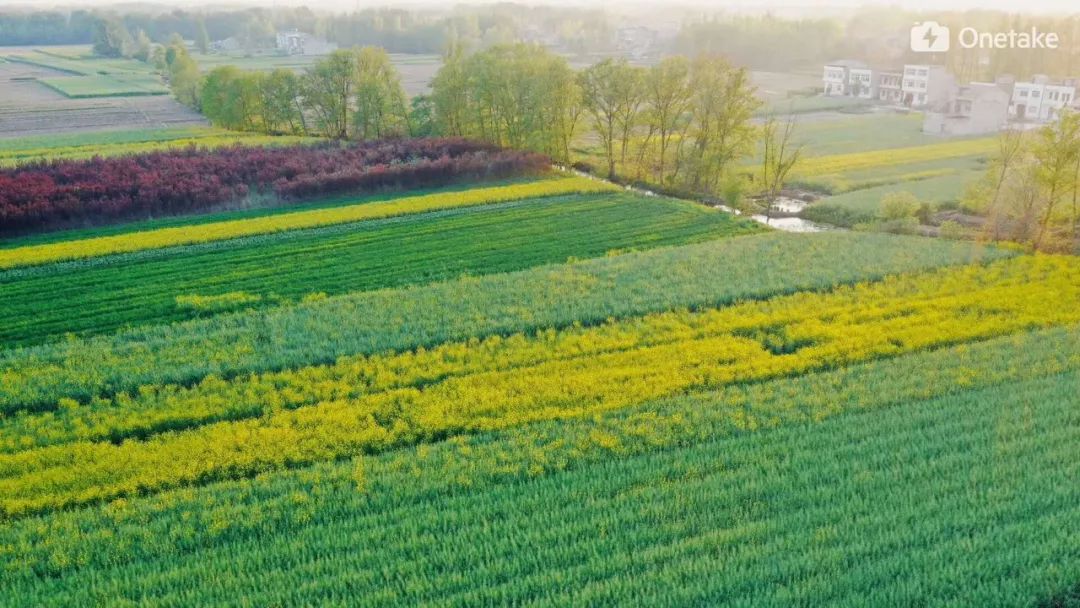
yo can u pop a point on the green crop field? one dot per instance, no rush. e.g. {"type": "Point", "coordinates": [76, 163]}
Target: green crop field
{"type": "Point", "coordinates": [107, 85]}
{"type": "Point", "coordinates": [537, 391]}
{"type": "Point", "coordinates": [82, 64]}
{"type": "Point", "coordinates": [865, 204]}
{"type": "Point", "coordinates": [141, 289]}
{"type": "Point", "coordinates": [21, 150]}
{"type": "Point", "coordinates": [847, 134]}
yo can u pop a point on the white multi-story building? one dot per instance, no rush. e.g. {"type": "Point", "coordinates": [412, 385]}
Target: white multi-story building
{"type": "Point", "coordinates": [926, 85]}
{"type": "Point", "coordinates": [1041, 100]}
{"type": "Point", "coordinates": [890, 87]}
{"type": "Point", "coordinates": [862, 83]}
{"type": "Point", "coordinates": [295, 42]}
{"type": "Point", "coordinates": [837, 79]}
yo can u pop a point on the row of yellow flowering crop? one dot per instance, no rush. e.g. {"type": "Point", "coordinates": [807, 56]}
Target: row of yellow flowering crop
{"type": "Point", "coordinates": [253, 512]}
{"type": "Point", "coordinates": [753, 341]}
{"type": "Point", "coordinates": [158, 408]}
{"type": "Point", "coordinates": [230, 229]}
{"type": "Point", "coordinates": [856, 161]}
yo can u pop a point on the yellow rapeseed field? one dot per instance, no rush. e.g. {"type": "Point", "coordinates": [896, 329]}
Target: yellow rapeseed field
{"type": "Point", "coordinates": [858, 161]}
{"type": "Point", "coordinates": [398, 399]}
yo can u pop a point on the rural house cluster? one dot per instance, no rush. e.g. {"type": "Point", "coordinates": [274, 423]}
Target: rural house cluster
{"type": "Point", "coordinates": [951, 108]}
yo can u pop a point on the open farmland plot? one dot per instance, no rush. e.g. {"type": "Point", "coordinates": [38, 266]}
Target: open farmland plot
{"type": "Point", "coordinates": [30, 108]}
{"type": "Point", "coordinates": [514, 387]}
{"type": "Point", "coordinates": [586, 292]}
{"type": "Point", "coordinates": [854, 170]}
{"type": "Point", "coordinates": [118, 85]}
{"type": "Point", "coordinates": [865, 205]}
{"type": "Point", "coordinates": [144, 288]}
{"type": "Point", "coordinates": [561, 513]}
{"type": "Point", "coordinates": [751, 428]}
{"type": "Point", "coordinates": [81, 146]}
{"type": "Point", "coordinates": [847, 134]}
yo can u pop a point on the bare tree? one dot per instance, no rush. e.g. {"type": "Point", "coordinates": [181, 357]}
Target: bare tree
{"type": "Point", "coordinates": [1010, 144]}
{"type": "Point", "coordinates": [780, 154]}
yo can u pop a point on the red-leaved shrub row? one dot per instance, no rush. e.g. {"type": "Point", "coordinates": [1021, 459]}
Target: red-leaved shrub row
{"type": "Point", "coordinates": [100, 190]}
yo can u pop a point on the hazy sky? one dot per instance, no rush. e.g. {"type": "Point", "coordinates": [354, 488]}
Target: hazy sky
{"type": "Point", "coordinates": [1058, 6]}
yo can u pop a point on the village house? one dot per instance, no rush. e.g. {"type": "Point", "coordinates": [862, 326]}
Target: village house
{"type": "Point", "coordinates": [952, 109]}
{"type": "Point", "coordinates": [890, 87]}
{"type": "Point", "coordinates": [636, 42]}
{"type": "Point", "coordinates": [862, 83]}
{"type": "Point", "coordinates": [295, 42]}
{"type": "Point", "coordinates": [977, 108]}
{"type": "Point", "coordinates": [1041, 100]}
{"type": "Point", "coordinates": [837, 76]}
{"type": "Point", "coordinates": [926, 85]}
{"type": "Point", "coordinates": [228, 45]}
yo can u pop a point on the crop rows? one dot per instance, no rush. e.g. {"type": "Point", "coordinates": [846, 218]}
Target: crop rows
{"type": "Point", "coordinates": [80, 147]}
{"type": "Point", "coordinates": [100, 85]}
{"type": "Point", "coordinates": [144, 288]}
{"type": "Point", "coordinates": [364, 529]}
{"type": "Point", "coordinates": [300, 220]}
{"type": "Point", "coordinates": [588, 292]}
{"type": "Point", "coordinates": [39, 196]}
{"type": "Point", "coordinates": [452, 389]}
{"type": "Point", "coordinates": [856, 161]}
{"type": "Point", "coordinates": [156, 408]}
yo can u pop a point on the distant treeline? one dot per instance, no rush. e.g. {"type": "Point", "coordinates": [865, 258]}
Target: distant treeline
{"type": "Point", "coordinates": [684, 122]}
{"type": "Point", "coordinates": [396, 30]}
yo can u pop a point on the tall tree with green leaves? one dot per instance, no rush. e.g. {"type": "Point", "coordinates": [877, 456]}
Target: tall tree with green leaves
{"type": "Point", "coordinates": [1055, 151]}
{"type": "Point", "coordinates": [722, 104]}
{"type": "Point", "coordinates": [450, 100]}
{"type": "Point", "coordinates": [111, 38]}
{"type": "Point", "coordinates": [667, 100]}
{"type": "Point", "coordinates": [517, 95]}
{"type": "Point", "coordinates": [202, 39]}
{"type": "Point", "coordinates": [630, 87]}
{"type": "Point", "coordinates": [282, 109]}
{"type": "Point", "coordinates": [185, 80]}
{"type": "Point", "coordinates": [381, 106]}
{"type": "Point", "coordinates": [141, 47]}
{"type": "Point", "coordinates": [600, 87]}
{"type": "Point", "coordinates": [233, 98]}
{"type": "Point", "coordinates": [329, 87]}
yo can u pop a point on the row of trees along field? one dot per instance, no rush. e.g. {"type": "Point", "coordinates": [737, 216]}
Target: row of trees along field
{"type": "Point", "coordinates": [1031, 190]}
{"type": "Point", "coordinates": [399, 30]}
{"type": "Point", "coordinates": [682, 123]}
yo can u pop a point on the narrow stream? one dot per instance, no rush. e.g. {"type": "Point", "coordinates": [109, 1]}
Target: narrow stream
{"type": "Point", "coordinates": [782, 204]}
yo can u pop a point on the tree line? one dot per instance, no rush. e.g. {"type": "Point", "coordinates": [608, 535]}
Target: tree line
{"type": "Point", "coordinates": [349, 94]}
{"type": "Point", "coordinates": [684, 123]}
{"type": "Point", "coordinates": [1031, 190]}
{"type": "Point", "coordinates": [681, 123]}
{"type": "Point", "coordinates": [395, 29]}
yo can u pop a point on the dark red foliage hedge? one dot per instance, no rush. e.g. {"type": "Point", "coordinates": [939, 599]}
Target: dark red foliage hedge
{"type": "Point", "coordinates": [100, 190]}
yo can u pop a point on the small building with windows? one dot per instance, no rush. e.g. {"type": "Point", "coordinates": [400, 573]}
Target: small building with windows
{"type": "Point", "coordinates": [1041, 100]}
{"type": "Point", "coordinates": [977, 108]}
{"type": "Point", "coordinates": [837, 79]}
{"type": "Point", "coordinates": [295, 42]}
{"type": "Point", "coordinates": [862, 83]}
{"type": "Point", "coordinates": [890, 87]}
{"type": "Point", "coordinates": [926, 85]}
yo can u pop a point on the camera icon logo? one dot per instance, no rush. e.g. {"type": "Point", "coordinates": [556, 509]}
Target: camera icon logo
{"type": "Point", "coordinates": [929, 37]}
